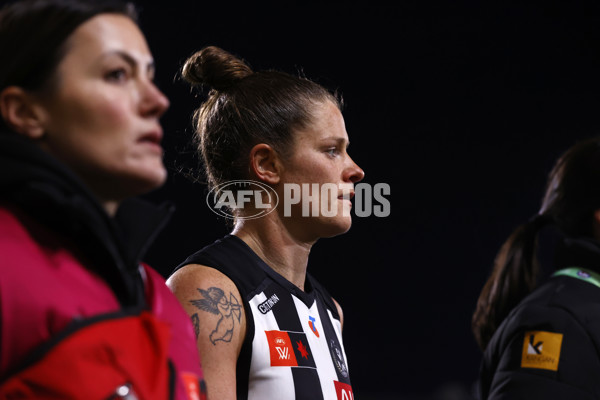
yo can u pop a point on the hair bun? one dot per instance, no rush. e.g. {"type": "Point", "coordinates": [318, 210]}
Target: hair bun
{"type": "Point", "coordinates": [214, 67]}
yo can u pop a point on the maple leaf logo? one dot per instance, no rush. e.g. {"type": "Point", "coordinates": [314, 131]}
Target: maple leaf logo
{"type": "Point", "coordinates": [302, 349]}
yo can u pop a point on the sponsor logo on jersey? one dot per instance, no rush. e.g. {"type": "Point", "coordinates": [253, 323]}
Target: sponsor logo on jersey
{"type": "Point", "coordinates": [302, 349]}
{"type": "Point", "coordinates": [541, 350]}
{"type": "Point", "coordinates": [338, 358]}
{"type": "Point", "coordinates": [268, 304]}
{"type": "Point", "coordinates": [311, 324]}
{"type": "Point", "coordinates": [343, 391]}
{"type": "Point", "coordinates": [289, 349]}
{"type": "Point", "coordinates": [194, 389]}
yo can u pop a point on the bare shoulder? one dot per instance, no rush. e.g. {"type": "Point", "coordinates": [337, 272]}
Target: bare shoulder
{"type": "Point", "coordinates": [209, 295]}
{"type": "Point", "coordinates": [185, 281]}
{"type": "Point", "coordinates": [215, 307]}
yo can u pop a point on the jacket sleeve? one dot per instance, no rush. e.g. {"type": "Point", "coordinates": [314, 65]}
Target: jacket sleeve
{"type": "Point", "coordinates": [543, 352]}
{"type": "Point", "coordinates": [517, 385]}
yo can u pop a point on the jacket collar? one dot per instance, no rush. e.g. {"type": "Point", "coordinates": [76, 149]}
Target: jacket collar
{"type": "Point", "coordinates": [53, 195]}
{"type": "Point", "coordinates": [578, 252]}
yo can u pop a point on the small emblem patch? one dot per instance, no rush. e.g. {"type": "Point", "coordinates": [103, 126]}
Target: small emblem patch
{"type": "Point", "coordinates": [313, 327]}
{"type": "Point", "coordinates": [289, 349]}
{"type": "Point", "coordinates": [195, 389]}
{"type": "Point", "coordinates": [268, 304]}
{"type": "Point", "coordinates": [541, 350]}
{"type": "Point", "coordinates": [338, 358]}
{"type": "Point", "coordinates": [343, 391]}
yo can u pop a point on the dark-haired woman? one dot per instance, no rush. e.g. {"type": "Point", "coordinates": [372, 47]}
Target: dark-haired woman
{"type": "Point", "coordinates": [81, 317]}
{"type": "Point", "coordinates": [266, 329]}
{"type": "Point", "coordinates": [538, 316]}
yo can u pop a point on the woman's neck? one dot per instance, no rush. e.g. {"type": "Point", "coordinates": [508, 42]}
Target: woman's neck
{"type": "Point", "coordinates": [272, 242]}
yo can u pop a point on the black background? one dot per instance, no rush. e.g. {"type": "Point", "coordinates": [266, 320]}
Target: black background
{"type": "Point", "coordinates": [462, 107]}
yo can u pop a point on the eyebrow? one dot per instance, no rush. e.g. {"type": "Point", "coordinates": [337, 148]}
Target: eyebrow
{"type": "Point", "coordinates": [129, 59]}
{"type": "Point", "coordinates": [339, 140]}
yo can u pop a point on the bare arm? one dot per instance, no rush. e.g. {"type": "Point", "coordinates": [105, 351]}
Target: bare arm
{"type": "Point", "coordinates": [215, 306]}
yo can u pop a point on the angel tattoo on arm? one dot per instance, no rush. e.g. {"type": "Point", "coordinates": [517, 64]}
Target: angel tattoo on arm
{"type": "Point", "coordinates": [215, 302]}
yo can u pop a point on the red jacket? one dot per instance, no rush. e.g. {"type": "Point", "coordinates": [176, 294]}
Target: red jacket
{"type": "Point", "coordinates": [65, 264]}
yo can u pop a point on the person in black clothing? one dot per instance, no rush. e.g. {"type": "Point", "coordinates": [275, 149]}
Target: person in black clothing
{"type": "Point", "coordinates": [266, 329]}
{"type": "Point", "coordinates": [538, 316]}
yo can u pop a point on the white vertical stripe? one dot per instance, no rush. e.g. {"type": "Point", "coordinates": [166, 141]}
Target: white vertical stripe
{"type": "Point", "coordinates": [319, 348]}
{"type": "Point", "coordinates": [266, 381]}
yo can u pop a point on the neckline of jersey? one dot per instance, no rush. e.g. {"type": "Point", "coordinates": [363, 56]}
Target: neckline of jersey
{"type": "Point", "coordinates": [307, 297]}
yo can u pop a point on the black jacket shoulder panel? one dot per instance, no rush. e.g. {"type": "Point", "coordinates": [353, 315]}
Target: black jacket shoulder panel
{"type": "Point", "coordinates": [562, 306]}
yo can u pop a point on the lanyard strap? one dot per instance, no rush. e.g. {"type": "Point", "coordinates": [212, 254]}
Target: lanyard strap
{"type": "Point", "coordinates": [580, 273]}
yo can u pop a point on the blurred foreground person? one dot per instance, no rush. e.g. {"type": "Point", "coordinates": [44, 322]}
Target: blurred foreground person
{"type": "Point", "coordinates": [81, 317]}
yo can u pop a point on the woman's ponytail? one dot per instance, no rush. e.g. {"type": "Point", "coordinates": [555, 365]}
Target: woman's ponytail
{"type": "Point", "coordinates": [513, 277]}
{"type": "Point", "coordinates": [572, 197]}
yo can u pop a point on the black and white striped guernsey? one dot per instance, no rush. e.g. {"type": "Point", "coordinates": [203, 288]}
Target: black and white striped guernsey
{"type": "Point", "coordinates": [293, 348]}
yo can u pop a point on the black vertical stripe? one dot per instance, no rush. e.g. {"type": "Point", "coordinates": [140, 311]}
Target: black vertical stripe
{"type": "Point", "coordinates": [335, 349]}
{"type": "Point", "coordinates": [306, 384]}
{"type": "Point", "coordinates": [306, 380]}
{"type": "Point", "coordinates": [304, 356]}
{"type": "Point", "coordinates": [287, 320]}
{"type": "Point", "coordinates": [245, 357]}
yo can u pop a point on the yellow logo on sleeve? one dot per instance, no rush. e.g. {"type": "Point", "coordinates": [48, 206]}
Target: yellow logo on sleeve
{"type": "Point", "coordinates": [541, 350]}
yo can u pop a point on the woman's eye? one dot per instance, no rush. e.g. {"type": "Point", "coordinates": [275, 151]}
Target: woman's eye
{"type": "Point", "coordinates": [332, 152]}
{"type": "Point", "coordinates": [117, 75]}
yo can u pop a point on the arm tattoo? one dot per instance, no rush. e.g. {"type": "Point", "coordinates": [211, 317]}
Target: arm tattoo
{"type": "Point", "coordinates": [196, 322]}
{"type": "Point", "coordinates": [215, 302]}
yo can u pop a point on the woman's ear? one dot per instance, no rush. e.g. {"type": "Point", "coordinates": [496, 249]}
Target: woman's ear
{"type": "Point", "coordinates": [21, 113]}
{"type": "Point", "coordinates": [265, 163]}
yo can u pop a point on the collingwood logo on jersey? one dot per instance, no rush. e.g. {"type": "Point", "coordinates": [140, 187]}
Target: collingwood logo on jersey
{"type": "Point", "coordinates": [338, 358]}
{"type": "Point", "coordinates": [268, 304]}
